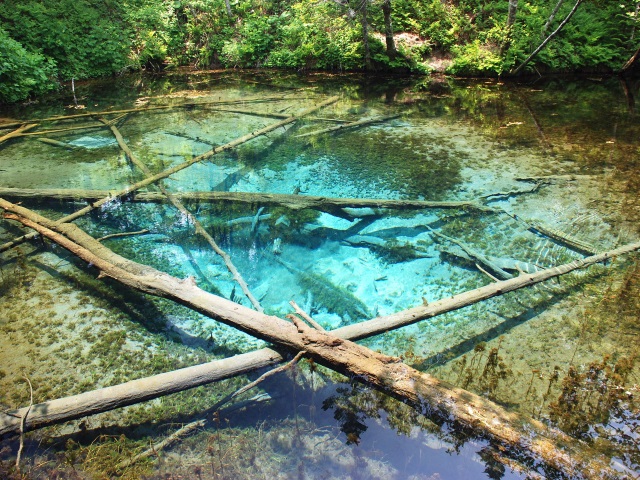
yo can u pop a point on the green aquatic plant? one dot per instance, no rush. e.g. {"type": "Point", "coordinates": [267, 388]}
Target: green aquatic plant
{"type": "Point", "coordinates": [593, 396]}
{"type": "Point", "coordinates": [334, 298]}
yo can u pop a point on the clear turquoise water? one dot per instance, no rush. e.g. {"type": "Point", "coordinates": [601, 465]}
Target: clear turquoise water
{"type": "Point", "coordinates": [451, 141]}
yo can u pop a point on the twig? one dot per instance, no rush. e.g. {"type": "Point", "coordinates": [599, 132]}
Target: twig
{"type": "Point", "coordinates": [494, 279]}
{"type": "Point", "coordinates": [306, 317]}
{"type": "Point", "coordinates": [190, 427]}
{"type": "Point", "coordinates": [23, 420]}
{"type": "Point", "coordinates": [123, 234]}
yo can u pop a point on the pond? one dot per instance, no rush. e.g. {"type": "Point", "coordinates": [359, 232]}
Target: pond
{"type": "Point", "coordinates": [464, 183]}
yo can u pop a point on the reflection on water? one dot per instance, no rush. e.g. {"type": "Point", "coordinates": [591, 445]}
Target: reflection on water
{"type": "Point", "coordinates": [553, 166]}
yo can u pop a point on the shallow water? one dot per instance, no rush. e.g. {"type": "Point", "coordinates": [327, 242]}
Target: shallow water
{"type": "Point", "coordinates": [558, 154]}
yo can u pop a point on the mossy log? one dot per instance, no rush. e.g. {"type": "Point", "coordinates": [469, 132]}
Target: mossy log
{"type": "Point", "coordinates": [159, 176]}
{"type": "Point", "coordinates": [426, 394]}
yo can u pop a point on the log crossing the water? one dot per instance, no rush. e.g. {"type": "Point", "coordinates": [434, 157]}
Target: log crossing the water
{"type": "Point", "coordinates": [423, 392]}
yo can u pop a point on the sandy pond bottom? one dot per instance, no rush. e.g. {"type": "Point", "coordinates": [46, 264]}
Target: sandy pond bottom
{"type": "Point", "coordinates": [68, 332]}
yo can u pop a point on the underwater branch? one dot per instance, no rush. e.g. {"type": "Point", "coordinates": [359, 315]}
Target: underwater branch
{"type": "Point", "coordinates": [425, 393]}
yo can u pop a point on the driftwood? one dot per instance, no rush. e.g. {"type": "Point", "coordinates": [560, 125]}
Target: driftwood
{"type": "Point", "coordinates": [159, 176]}
{"type": "Point", "coordinates": [423, 392]}
{"type": "Point", "coordinates": [359, 123]}
{"type": "Point", "coordinates": [18, 132]}
{"type": "Point", "coordinates": [329, 205]}
{"type": "Point", "coordinates": [199, 229]}
{"type": "Point", "coordinates": [147, 109]}
{"type": "Point", "coordinates": [476, 256]}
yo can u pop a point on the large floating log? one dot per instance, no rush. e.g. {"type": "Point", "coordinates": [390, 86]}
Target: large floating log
{"type": "Point", "coordinates": [425, 393]}
{"type": "Point", "coordinates": [150, 180]}
{"type": "Point", "coordinates": [331, 205]}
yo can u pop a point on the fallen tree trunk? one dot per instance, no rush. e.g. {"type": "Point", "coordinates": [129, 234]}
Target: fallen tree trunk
{"type": "Point", "coordinates": [359, 123]}
{"type": "Point", "coordinates": [159, 176]}
{"type": "Point", "coordinates": [147, 109]}
{"type": "Point", "coordinates": [18, 132]}
{"type": "Point", "coordinates": [56, 143]}
{"type": "Point", "coordinates": [192, 219]}
{"type": "Point", "coordinates": [294, 202]}
{"type": "Point", "coordinates": [476, 256]}
{"type": "Point", "coordinates": [425, 393]}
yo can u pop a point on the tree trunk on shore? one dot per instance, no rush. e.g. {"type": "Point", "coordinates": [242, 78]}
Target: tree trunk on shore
{"type": "Point", "coordinates": [388, 30]}
{"type": "Point", "coordinates": [548, 39]}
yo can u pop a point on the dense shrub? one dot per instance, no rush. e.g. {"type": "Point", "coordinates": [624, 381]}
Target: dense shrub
{"type": "Point", "coordinates": [21, 72]}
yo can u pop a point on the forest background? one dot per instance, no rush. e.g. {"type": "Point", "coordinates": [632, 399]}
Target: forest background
{"type": "Point", "coordinates": [46, 43]}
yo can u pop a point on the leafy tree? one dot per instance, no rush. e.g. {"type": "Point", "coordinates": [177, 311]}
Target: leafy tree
{"type": "Point", "coordinates": [22, 73]}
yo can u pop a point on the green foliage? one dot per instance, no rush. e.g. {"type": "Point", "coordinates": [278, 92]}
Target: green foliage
{"type": "Point", "coordinates": [83, 39]}
{"type": "Point", "coordinates": [317, 37]}
{"type": "Point", "coordinates": [475, 59]}
{"type": "Point", "coordinates": [21, 72]}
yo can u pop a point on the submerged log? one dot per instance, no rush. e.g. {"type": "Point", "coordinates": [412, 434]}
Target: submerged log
{"type": "Point", "coordinates": [331, 205]}
{"type": "Point", "coordinates": [476, 256]}
{"type": "Point", "coordinates": [147, 109]}
{"type": "Point", "coordinates": [56, 143]}
{"type": "Point", "coordinates": [199, 229]}
{"type": "Point", "coordinates": [423, 392]}
{"type": "Point", "coordinates": [344, 126]}
{"type": "Point", "coordinates": [159, 176]}
{"type": "Point", "coordinates": [18, 132]}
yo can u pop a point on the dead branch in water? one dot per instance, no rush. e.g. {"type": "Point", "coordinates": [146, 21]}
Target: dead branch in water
{"type": "Point", "coordinates": [421, 391]}
{"type": "Point", "coordinates": [113, 196]}
{"type": "Point", "coordinates": [199, 229]}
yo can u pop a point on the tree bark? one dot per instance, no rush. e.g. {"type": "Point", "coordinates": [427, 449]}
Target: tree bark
{"type": "Point", "coordinates": [548, 39]}
{"type": "Point", "coordinates": [425, 393]}
{"type": "Point", "coordinates": [554, 12]}
{"type": "Point", "coordinates": [365, 34]}
{"type": "Point", "coordinates": [159, 176]}
{"type": "Point", "coordinates": [511, 20]}
{"type": "Point", "coordinates": [18, 132]}
{"type": "Point", "coordinates": [388, 30]}
{"type": "Point", "coordinates": [631, 62]}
